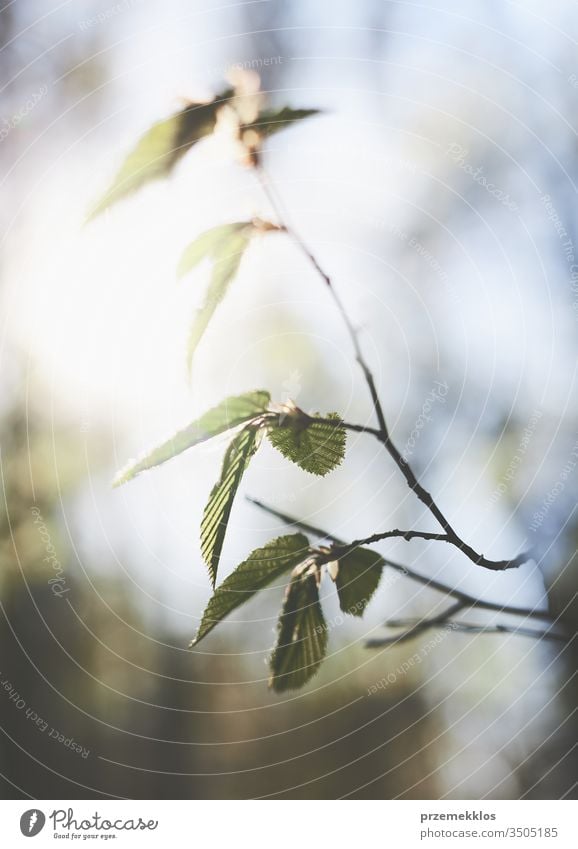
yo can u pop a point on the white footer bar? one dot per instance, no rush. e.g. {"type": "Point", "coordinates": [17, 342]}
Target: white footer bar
{"type": "Point", "coordinates": [291, 824]}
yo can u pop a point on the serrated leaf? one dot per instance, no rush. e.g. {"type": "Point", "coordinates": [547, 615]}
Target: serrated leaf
{"type": "Point", "coordinates": [261, 567]}
{"type": "Point", "coordinates": [160, 148]}
{"type": "Point", "coordinates": [220, 503]}
{"type": "Point", "coordinates": [209, 245]}
{"type": "Point", "coordinates": [317, 448]}
{"type": "Point", "coordinates": [302, 636]}
{"type": "Point", "coordinates": [357, 578]}
{"type": "Point", "coordinates": [272, 120]}
{"type": "Point", "coordinates": [230, 413]}
{"type": "Point", "coordinates": [225, 246]}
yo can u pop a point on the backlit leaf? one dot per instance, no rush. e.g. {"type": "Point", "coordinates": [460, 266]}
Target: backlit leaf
{"type": "Point", "coordinates": [220, 503]}
{"type": "Point", "coordinates": [161, 147]}
{"type": "Point", "coordinates": [210, 245]}
{"type": "Point", "coordinates": [317, 448]}
{"type": "Point", "coordinates": [225, 246]}
{"type": "Point", "coordinates": [261, 567]}
{"type": "Point", "coordinates": [272, 120]}
{"type": "Point", "coordinates": [228, 414]}
{"type": "Point", "coordinates": [302, 636]}
{"type": "Point", "coordinates": [357, 578]}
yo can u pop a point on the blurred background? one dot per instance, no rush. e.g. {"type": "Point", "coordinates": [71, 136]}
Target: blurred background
{"type": "Point", "coordinates": [439, 189]}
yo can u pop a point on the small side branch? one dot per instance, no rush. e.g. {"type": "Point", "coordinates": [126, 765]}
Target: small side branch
{"type": "Point", "coordinates": [463, 601]}
{"type": "Point", "coordinates": [417, 628]}
{"type": "Point", "coordinates": [457, 626]}
{"type": "Point", "coordinates": [450, 536]}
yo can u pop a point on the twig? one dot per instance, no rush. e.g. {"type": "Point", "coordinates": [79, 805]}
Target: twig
{"type": "Point", "coordinates": [418, 628]}
{"type": "Point", "coordinates": [469, 628]}
{"type": "Point", "coordinates": [409, 535]}
{"type": "Point", "coordinates": [406, 535]}
{"type": "Point", "coordinates": [465, 600]}
{"type": "Point", "coordinates": [383, 433]}
{"type": "Point", "coordinates": [465, 628]}
{"type": "Point", "coordinates": [283, 220]}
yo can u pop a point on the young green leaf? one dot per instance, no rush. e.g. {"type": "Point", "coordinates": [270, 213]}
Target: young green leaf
{"type": "Point", "coordinates": [261, 567]}
{"type": "Point", "coordinates": [317, 448]}
{"type": "Point", "coordinates": [211, 244]}
{"type": "Point", "coordinates": [228, 414]}
{"type": "Point", "coordinates": [302, 636]}
{"type": "Point", "coordinates": [272, 120]}
{"type": "Point", "coordinates": [161, 147]}
{"type": "Point", "coordinates": [220, 503]}
{"type": "Point", "coordinates": [225, 246]}
{"type": "Point", "coordinates": [357, 578]}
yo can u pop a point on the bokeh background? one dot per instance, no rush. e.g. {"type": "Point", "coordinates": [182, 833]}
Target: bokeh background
{"type": "Point", "coordinates": [450, 280]}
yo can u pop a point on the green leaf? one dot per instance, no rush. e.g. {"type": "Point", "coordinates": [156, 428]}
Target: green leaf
{"type": "Point", "coordinates": [220, 503]}
{"type": "Point", "coordinates": [160, 148]}
{"type": "Point", "coordinates": [228, 414]}
{"type": "Point", "coordinates": [357, 578]}
{"type": "Point", "coordinates": [210, 245]}
{"type": "Point", "coordinates": [302, 636]}
{"type": "Point", "coordinates": [261, 567]}
{"type": "Point", "coordinates": [272, 120]}
{"type": "Point", "coordinates": [317, 448]}
{"type": "Point", "coordinates": [225, 246]}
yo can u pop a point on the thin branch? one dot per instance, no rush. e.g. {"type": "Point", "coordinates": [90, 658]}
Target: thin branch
{"type": "Point", "coordinates": [450, 536]}
{"type": "Point", "coordinates": [423, 625]}
{"type": "Point", "coordinates": [383, 433]}
{"type": "Point", "coordinates": [283, 220]}
{"type": "Point", "coordinates": [406, 535]}
{"type": "Point", "coordinates": [297, 523]}
{"type": "Point", "coordinates": [470, 628]}
{"type": "Point", "coordinates": [409, 535]}
{"type": "Point", "coordinates": [418, 628]}
{"type": "Point", "coordinates": [465, 599]}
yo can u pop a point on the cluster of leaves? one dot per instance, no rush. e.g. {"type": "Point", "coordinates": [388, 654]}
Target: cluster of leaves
{"type": "Point", "coordinates": [166, 142]}
{"type": "Point", "coordinates": [315, 444]}
{"type": "Point", "coordinates": [302, 630]}
{"type": "Point", "coordinates": [155, 155]}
